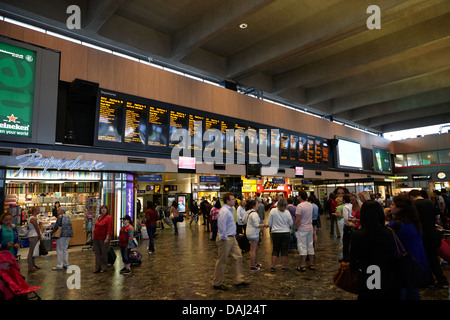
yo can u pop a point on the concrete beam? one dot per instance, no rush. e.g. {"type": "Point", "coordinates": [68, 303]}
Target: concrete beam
{"type": "Point", "coordinates": [98, 12]}
{"type": "Point", "coordinates": [213, 22]}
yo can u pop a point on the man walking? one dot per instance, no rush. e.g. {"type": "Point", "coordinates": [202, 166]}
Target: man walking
{"type": "Point", "coordinates": [227, 244]}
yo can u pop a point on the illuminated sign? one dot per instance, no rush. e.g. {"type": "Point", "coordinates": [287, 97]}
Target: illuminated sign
{"type": "Point", "coordinates": [441, 175]}
{"type": "Point", "coordinates": [36, 160]}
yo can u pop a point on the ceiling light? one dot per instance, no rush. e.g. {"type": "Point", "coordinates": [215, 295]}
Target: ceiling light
{"type": "Point", "coordinates": [243, 25]}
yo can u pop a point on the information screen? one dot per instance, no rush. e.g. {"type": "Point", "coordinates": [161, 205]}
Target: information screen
{"type": "Point", "coordinates": [349, 154]}
{"type": "Point", "coordinates": [111, 119]}
{"type": "Point", "coordinates": [284, 150]}
{"type": "Point", "coordinates": [195, 131]}
{"type": "Point", "coordinates": [178, 120]}
{"type": "Point", "coordinates": [17, 86]}
{"type": "Point", "coordinates": [158, 126]}
{"type": "Point", "coordinates": [127, 121]}
{"type": "Point", "coordinates": [135, 123]}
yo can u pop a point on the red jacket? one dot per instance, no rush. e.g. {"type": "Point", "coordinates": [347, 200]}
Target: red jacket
{"type": "Point", "coordinates": [103, 226]}
{"type": "Point", "coordinates": [151, 216]}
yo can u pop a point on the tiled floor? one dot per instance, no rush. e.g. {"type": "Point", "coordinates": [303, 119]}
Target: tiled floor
{"type": "Point", "coordinates": [183, 267]}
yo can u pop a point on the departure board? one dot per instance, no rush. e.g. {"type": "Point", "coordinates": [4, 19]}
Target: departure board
{"type": "Point", "coordinates": [111, 119]}
{"type": "Point", "coordinates": [274, 144]}
{"type": "Point", "coordinates": [227, 125]}
{"type": "Point", "coordinates": [317, 150]}
{"type": "Point", "coordinates": [178, 120]}
{"type": "Point", "coordinates": [310, 149]}
{"type": "Point", "coordinates": [302, 148]}
{"type": "Point", "coordinates": [325, 152]}
{"type": "Point", "coordinates": [135, 123]}
{"type": "Point", "coordinates": [130, 122]}
{"type": "Point", "coordinates": [263, 143]}
{"type": "Point", "coordinates": [195, 131]}
{"type": "Point", "coordinates": [284, 146]}
{"type": "Point", "coordinates": [158, 127]}
{"type": "Point", "coordinates": [239, 139]}
{"type": "Point", "coordinates": [294, 151]}
{"type": "Point", "coordinates": [252, 141]}
{"type": "Point", "coordinates": [211, 123]}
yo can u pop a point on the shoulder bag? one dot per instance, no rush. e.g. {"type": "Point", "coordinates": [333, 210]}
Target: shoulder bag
{"type": "Point", "coordinates": [411, 273]}
{"type": "Point", "coordinates": [346, 278]}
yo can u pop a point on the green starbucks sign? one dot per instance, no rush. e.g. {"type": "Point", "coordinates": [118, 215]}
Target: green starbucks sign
{"type": "Point", "coordinates": [17, 74]}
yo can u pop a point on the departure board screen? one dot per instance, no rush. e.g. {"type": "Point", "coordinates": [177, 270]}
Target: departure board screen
{"type": "Point", "coordinates": [284, 150]}
{"type": "Point", "coordinates": [178, 120]}
{"type": "Point", "coordinates": [310, 149]}
{"type": "Point", "coordinates": [274, 144]}
{"type": "Point", "coordinates": [239, 139]}
{"type": "Point", "coordinates": [195, 131]}
{"type": "Point", "coordinates": [126, 121]}
{"type": "Point", "coordinates": [325, 152]}
{"type": "Point", "coordinates": [294, 151]}
{"type": "Point", "coordinates": [227, 125]}
{"type": "Point", "coordinates": [252, 141]}
{"type": "Point", "coordinates": [158, 125]}
{"type": "Point", "coordinates": [317, 150]}
{"type": "Point", "coordinates": [211, 123]}
{"type": "Point", "coordinates": [135, 123]}
{"type": "Point", "coordinates": [263, 143]}
{"type": "Point", "coordinates": [302, 148]}
{"type": "Point", "coordinates": [111, 119]}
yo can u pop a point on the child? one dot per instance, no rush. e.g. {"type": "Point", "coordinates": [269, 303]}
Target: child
{"type": "Point", "coordinates": [9, 237]}
{"type": "Point", "coordinates": [126, 237]}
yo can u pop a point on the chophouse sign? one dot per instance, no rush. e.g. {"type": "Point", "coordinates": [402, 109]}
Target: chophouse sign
{"type": "Point", "coordinates": [36, 160]}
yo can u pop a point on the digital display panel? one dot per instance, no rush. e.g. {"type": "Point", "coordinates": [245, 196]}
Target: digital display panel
{"type": "Point", "coordinates": [111, 119]}
{"type": "Point", "coordinates": [186, 162]}
{"type": "Point", "coordinates": [158, 125]}
{"type": "Point", "coordinates": [178, 120]}
{"type": "Point", "coordinates": [284, 150]}
{"type": "Point", "coordinates": [349, 154]}
{"type": "Point", "coordinates": [129, 122]}
{"type": "Point", "coordinates": [294, 150]}
{"type": "Point", "coordinates": [17, 87]}
{"type": "Point", "coordinates": [135, 123]}
{"type": "Point", "coordinates": [195, 131]}
{"type": "Point", "coordinates": [382, 159]}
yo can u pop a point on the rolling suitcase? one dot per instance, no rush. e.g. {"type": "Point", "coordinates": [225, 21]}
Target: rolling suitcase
{"type": "Point", "coordinates": [243, 242]}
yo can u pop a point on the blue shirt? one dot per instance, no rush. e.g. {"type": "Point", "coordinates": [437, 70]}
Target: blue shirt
{"type": "Point", "coordinates": [315, 215]}
{"type": "Point", "coordinates": [225, 222]}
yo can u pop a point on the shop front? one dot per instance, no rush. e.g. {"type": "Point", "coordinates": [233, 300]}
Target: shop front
{"type": "Point", "coordinates": [80, 187]}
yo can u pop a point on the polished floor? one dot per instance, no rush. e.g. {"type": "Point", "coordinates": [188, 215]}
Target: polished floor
{"type": "Point", "coordinates": [183, 267]}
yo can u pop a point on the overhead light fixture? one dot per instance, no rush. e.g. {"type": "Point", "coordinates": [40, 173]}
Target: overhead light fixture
{"type": "Point", "coordinates": [243, 25]}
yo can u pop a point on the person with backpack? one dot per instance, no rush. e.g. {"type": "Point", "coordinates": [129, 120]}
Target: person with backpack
{"type": "Point", "coordinates": [126, 237]}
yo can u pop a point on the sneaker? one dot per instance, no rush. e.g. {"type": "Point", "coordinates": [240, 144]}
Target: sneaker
{"type": "Point", "coordinates": [127, 271]}
{"type": "Point", "coordinates": [259, 265]}
{"type": "Point", "coordinates": [255, 268]}
{"type": "Point", "coordinates": [123, 270]}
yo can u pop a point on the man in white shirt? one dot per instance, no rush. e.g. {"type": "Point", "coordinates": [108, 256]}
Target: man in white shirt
{"type": "Point", "coordinates": [304, 231]}
{"type": "Point", "coordinates": [227, 244]}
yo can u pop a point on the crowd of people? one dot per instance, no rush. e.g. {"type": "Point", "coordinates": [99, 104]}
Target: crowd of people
{"type": "Point", "coordinates": [365, 225]}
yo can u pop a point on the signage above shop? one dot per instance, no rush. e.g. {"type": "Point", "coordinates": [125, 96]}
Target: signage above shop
{"type": "Point", "coordinates": [36, 160]}
{"type": "Point", "coordinates": [210, 179]}
{"type": "Point", "coordinates": [150, 178]}
{"type": "Point", "coordinates": [421, 176]}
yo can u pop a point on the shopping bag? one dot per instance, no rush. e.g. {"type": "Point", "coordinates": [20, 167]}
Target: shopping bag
{"type": "Point", "coordinates": [36, 249]}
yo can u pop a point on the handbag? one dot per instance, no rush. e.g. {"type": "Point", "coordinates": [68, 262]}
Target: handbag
{"type": "Point", "coordinates": [411, 273]}
{"type": "Point", "coordinates": [57, 233]}
{"type": "Point", "coordinates": [42, 249]}
{"type": "Point", "coordinates": [346, 278]}
{"type": "Point", "coordinates": [134, 243]}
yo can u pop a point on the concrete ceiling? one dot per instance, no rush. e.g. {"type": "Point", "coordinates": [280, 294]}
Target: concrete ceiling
{"type": "Point", "coordinates": [315, 55]}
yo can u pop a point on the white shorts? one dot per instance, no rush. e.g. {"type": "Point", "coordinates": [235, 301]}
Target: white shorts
{"type": "Point", "coordinates": [305, 242]}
